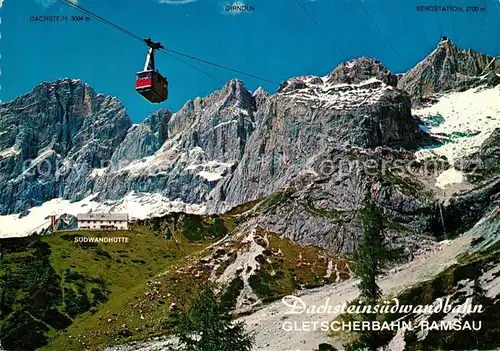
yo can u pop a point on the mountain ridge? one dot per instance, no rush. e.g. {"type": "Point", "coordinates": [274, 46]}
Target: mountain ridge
{"type": "Point", "coordinates": [228, 148]}
{"type": "Point", "coordinates": [449, 68]}
{"type": "Point", "coordinates": [280, 182]}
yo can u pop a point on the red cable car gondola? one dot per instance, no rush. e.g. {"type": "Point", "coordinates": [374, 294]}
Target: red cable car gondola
{"type": "Point", "coordinates": [150, 83]}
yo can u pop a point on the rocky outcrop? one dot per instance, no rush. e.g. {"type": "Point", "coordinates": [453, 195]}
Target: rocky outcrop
{"type": "Point", "coordinates": [333, 141]}
{"type": "Point", "coordinates": [220, 124]}
{"type": "Point", "coordinates": [51, 140]}
{"type": "Point", "coordinates": [449, 68]}
{"type": "Point", "coordinates": [142, 139]}
{"type": "Point", "coordinates": [323, 209]}
{"type": "Point", "coordinates": [204, 141]}
{"type": "Point", "coordinates": [360, 70]}
{"type": "Point", "coordinates": [484, 163]}
{"type": "Point", "coordinates": [464, 210]}
{"type": "Point", "coordinates": [309, 117]}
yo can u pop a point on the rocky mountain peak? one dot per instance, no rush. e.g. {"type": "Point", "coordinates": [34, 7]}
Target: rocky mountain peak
{"type": "Point", "coordinates": [446, 42]}
{"type": "Point", "coordinates": [234, 85]}
{"type": "Point", "coordinates": [260, 97]}
{"type": "Point", "coordinates": [260, 91]}
{"type": "Point", "coordinates": [449, 68]}
{"type": "Point", "coordinates": [356, 105]}
{"type": "Point", "coordinates": [359, 70]}
{"type": "Point", "coordinates": [235, 91]}
{"type": "Point", "coordinates": [64, 125]}
{"type": "Point", "coordinates": [223, 105]}
{"type": "Point", "coordinates": [354, 72]}
{"type": "Point", "coordinates": [221, 150]}
{"type": "Point", "coordinates": [158, 120]}
{"type": "Point", "coordinates": [59, 83]}
{"type": "Point", "coordinates": [46, 91]}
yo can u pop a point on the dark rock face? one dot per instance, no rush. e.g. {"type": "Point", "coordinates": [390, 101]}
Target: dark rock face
{"type": "Point", "coordinates": [204, 141]}
{"type": "Point", "coordinates": [449, 68]}
{"type": "Point", "coordinates": [220, 124]}
{"type": "Point", "coordinates": [485, 163]}
{"type": "Point", "coordinates": [306, 120]}
{"type": "Point", "coordinates": [357, 71]}
{"type": "Point", "coordinates": [331, 141]}
{"type": "Point", "coordinates": [95, 144]}
{"type": "Point", "coordinates": [142, 139]}
{"type": "Point", "coordinates": [256, 143]}
{"type": "Point", "coordinates": [323, 210]}
{"type": "Point", "coordinates": [52, 138]}
{"type": "Point", "coordinates": [464, 210]}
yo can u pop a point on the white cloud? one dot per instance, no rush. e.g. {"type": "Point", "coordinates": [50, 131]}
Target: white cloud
{"type": "Point", "coordinates": [176, 2]}
{"type": "Point", "coordinates": [1, 3]}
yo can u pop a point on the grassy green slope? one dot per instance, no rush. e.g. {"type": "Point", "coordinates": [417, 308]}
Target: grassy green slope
{"type": "Point", "coordinates": [59, 294]}
{"type": "Point", "coordinates": [68, 295]}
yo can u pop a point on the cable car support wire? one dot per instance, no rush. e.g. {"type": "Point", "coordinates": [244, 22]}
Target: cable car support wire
{"type": "Point", "coordinates": [167, 51]}
{"type": "Point", "coordinates": [380, 30]}
{"type": "Point", "coordinates": [321, 28]}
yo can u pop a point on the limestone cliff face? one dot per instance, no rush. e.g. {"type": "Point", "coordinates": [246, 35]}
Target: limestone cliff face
{"type": "Point", "coordinates": [203, 142]}
{"type": "Point", "coordinates": [318, 149]}
{"type": "Point", "coordinates": [483, 164]}
{"type": "Point", "coordinates": [48, 131]}
{"type": "Point", "coordinates": [142, 139]}
{"type": "Point", "coordinates": [449, 68]}
{"type": "Point", "coordinates": [309, 117]}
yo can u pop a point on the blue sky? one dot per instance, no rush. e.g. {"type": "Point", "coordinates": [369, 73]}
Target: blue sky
{"type": "Point", "coordinates": [276, 41]}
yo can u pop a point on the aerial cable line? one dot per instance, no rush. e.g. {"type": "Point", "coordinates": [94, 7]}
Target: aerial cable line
{"type": "Point", "coordinates": [105, 21]}
{"type": "Point", "coordinates": [217, 65]}
{"type": "Point", "coordinates": [81, 9]}
{"type": "Point", "coordinates": [380, 31]}
{"type": "Point", "coordinates": [121, 29]}
{"type": "Point", "coordinates": [71, 4]}
{"type": "Point", "coordinates": [321, 28]}
{"type": "Point", "coordinates": [195, 68]}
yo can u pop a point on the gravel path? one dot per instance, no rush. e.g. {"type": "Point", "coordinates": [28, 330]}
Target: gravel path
{"type": "Point", "coordinates": [268, 322]}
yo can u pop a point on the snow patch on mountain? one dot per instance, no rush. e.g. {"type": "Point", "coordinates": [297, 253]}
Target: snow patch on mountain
{"type": "Point", "coordinates": [225, 123]}
{"type": "Point", "coordinates": [137, 165]}
{"type": "Point", "coordinates": [210, 176]}
{"type": "Point", "coordinates": [462, 120]}
{"type": "Point", "coordinates": [450, 176]}
{"type": "Point", "coordinates": [341, 96]}
{"type": "Point", "coordinates": [211, 171]}
{"type": "Point", "coordinates": [16, 225]}
{"type": "Point", "coordinates": [146, 205]}
{"type": "Point", "coordinates": [98, 172]}
{"type": "Point", "coordinates": [10, 152]}
{"type": "Point", "coordinates": [137, 205]}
